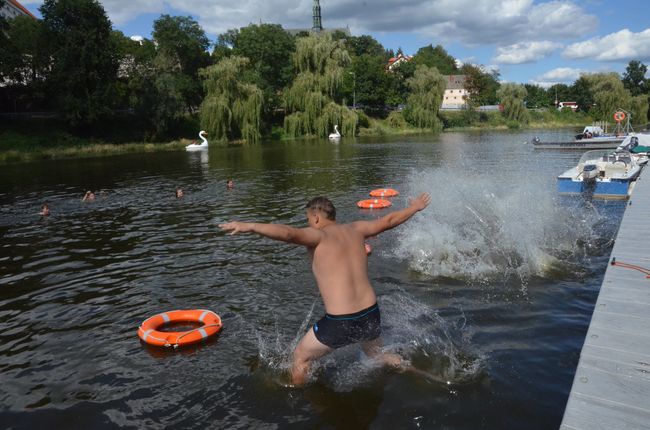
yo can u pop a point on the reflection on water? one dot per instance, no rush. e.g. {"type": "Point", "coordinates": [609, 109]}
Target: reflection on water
{"type": "Point", "coordinates": [491, 288]}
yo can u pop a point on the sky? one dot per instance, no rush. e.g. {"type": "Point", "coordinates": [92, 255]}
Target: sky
{"type": "Point", "coordinates": [527, 41]}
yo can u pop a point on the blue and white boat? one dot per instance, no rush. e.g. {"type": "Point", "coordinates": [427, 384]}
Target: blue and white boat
{"type": "Point", "coordinates": [603, 174]}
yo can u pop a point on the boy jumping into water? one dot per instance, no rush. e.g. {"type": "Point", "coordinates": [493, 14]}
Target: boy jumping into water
{"type": "Point", "coordinates": [340, 266]}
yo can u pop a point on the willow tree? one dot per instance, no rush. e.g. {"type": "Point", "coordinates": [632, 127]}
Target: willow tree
{"type": "Point", "coordinates": [320, 62]}
{"type": "Point", "coordinates": [609, 94]}
{"type": "Point", "coordinates": [639, 109]}
{"type": "Point", "coordinates": [512, 98]}
{"type": "Point", "coordinates": [427, 89]}
{"type": "Point", "coordinates": [232, 107]}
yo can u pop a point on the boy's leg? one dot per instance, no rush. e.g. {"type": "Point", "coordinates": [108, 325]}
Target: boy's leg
{"type": "Point", "coordinates": [307, 350]}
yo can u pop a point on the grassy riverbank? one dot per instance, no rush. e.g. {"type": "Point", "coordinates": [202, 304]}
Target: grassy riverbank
{"type": "Point", "coordinates": [47, 139]}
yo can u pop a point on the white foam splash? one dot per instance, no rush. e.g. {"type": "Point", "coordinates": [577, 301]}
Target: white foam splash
{"type": "Point", "coordinates": [477, 228]}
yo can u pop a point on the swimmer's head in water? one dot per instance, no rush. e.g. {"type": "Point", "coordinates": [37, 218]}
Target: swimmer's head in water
{"type": "Point", "coordinates": [324, 205]}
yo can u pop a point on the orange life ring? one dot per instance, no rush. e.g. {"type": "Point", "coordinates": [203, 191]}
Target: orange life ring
{"type": "Point", "coordinates": [373, 204]}
{"type": "Point", "coordinates": [148, 330]}
{"type": "Point", "coordinates": [384, 192]}
{"type": "Point", "coordinates": [619, 116]}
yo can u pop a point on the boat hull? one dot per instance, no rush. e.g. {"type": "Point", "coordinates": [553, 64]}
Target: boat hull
{"type": "Point", "coordinates": [594, 143]}
{"type": "Point", "coordinates": [613, 189]}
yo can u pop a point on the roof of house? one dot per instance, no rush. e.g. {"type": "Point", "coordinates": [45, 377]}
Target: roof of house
{"type": "Point", "coordinates": [21, 7]}
{"type": "Point", "coordinates": [455, 82]}
{"type": "Point", "coordinates": [399, 57]}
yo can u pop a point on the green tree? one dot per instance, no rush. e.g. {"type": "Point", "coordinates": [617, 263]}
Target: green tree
{"type": "Point", "coordinates": [609, 94]}
{"type": "Point", "coordinates": [183, 44]}
{"type": "Point", "coordinates": [560, 93]}
{"type": "Point", "coordinates": [3, 42]}
{"type": "Point", "coordinates": [481, 85]}
{"type": "Point", "coordinates": [639, 109]}
{"type": "Point", "coordinates": [634, 79]}
{"type": "Point", "coordinates": [25, 52]}
{"type": "Point", "coordinates": [397, 88]}
{"type": "Point", "coordinates": [580, 93]}
{"type": "Point", "coordinates": [84, 61]}
{"type": "Point", "coordinates": [536, 97]}
{"type": "Point", "coordinates": [320, 62]}
{"type": "Point", "coordinates": [365, 45]}
{"type": "Point", "coordinates": [512, 98]}
{"type": "Point", "coordinates": [427, 89]}
{"type": "Point", "coordinates": [232, 108]}
{"type": "Point", "coordinates": [436, 57]}
{"type": "Point", "coordinates": [367, 80]}
{"type": "Point", "coordinates": [269, 48]}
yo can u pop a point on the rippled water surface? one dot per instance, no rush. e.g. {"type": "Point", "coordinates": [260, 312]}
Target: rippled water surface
{"type": "Point", "coordinates": [490, 288]}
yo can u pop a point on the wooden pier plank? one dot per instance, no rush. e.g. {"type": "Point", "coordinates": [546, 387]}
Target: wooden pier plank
{"type": "Point", "coordinates": [611, 387]}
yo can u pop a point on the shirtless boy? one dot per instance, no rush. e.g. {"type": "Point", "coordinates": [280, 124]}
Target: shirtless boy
{"type": "Point", "coordinates": [340, 266]}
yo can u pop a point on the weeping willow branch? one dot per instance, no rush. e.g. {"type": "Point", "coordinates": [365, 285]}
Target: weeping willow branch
{"type": "Point", "coordinates": [427, 89]}
{"type": "Point", "coordinates": [320, 63]}
{"type": "Point", "coordinates": [512, 98]}
{"type": "Point", "coordinates": [232, 109]}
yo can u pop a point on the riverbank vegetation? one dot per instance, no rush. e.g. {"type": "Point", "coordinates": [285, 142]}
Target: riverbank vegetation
{"type": "Point", "coordinates": [254, 83]}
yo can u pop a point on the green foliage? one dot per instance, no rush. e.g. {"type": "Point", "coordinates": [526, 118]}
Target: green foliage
{"type": "Point", "coordinates": [84, 61]}
{"type": "Point", "coordinates": [581, 93]}
{"type": "Point", "coordinates": [269, 48]}
{"type": "Point", "coordinates": [363, 120]}
{"type": "Point", "coordinates": [634, 79]}
{"type": "Point", "coordinates": [25, 58]}
{"type": "Point", "coordinates": [365, 45]}
{"type": "Point", "coordinates": [396, 120]}
{"type": "Point", "coordinates": [320, 62]}
{"type": "Point", "coordinates": [368, 79]}
{"type": "Point", "coordinates": [512, 98]}
{"type": "Point", "coordinates": [537, 97]}
{"type": "Point", "coordinates": [183, 40]}
{"type": "Point", "coordinates": [232, 108]}
{"type": "Point", "coordinates": [609, 94]}
{"type": "Point", "coordinates": [436, 57]}
{"type": "Point", "coordinates": [427, 89]}
{"type": "Point", "coordinates": [481, 85]}
{"type": "Point", "coordinates": [639, 109]}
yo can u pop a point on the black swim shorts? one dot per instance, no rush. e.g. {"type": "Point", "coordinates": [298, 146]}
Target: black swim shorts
{"type": "Point", "coordinates": [337, 331]}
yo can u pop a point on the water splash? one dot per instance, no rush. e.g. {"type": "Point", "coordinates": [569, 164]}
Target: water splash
{"type": "Point", "coordinates": [478, 229]}
{"type": "Point", "coordinates": [414, 331]}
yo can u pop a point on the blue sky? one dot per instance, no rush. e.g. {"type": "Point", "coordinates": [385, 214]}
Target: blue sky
{"type": "Point", "coordinates": [528, 41]}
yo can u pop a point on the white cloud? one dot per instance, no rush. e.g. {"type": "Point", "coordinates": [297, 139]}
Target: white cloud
{"type": "Point", "coordinates": [526, 52]}
{"type": "Point", "coordinates": [623, 45]}
{"type": "Point", "coordinates": [561, 75]}
{"type": "Point", "coordinates": [469, 21]}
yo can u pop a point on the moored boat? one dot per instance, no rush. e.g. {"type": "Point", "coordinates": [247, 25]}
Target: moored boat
{"type": "Point", "coordinates": [602, 174]}
{"type": "Point", "coordinates": [592, 137]}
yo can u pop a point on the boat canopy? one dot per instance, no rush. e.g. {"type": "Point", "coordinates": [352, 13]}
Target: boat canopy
{"type": "Point", "coordinates": [635, 142]}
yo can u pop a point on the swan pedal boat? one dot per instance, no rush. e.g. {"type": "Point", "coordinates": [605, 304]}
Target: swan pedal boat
{"type": "Point", "coordinates": [198, 146]}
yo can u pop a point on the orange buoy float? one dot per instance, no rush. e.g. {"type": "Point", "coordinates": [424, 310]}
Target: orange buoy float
{"type": "Point", "coordinates": [373, 204]}
{"type": "Point", "coordinates": [148, 330]}
{"type": "Point", "coordinates": [384, 192]}
{"type": "Point", "coordinates": [619, 116]}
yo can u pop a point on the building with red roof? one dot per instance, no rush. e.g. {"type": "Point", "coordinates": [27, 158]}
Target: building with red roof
{"type": "Point", "coordinates": [12, 9]}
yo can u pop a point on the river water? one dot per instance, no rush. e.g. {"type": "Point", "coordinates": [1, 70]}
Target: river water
{"type": "Point", "coordinates": [491, 288]}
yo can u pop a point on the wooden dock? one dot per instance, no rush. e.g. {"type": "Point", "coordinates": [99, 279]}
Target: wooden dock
{"type": "Point", "coordinates": [611, 387]}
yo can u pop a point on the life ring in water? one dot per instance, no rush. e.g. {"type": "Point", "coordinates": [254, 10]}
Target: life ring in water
{"type": "Point", "coordinates": [149, 333]}
{"type": "Point", "coordinates": [384, 192]}
{"type": "Point", "coordinates": [373, 204]}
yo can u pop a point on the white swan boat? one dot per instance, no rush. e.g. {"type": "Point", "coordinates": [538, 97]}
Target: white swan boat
{"type": "Point", "coordinates": [198, 146]}
{"type": "Point", "coordinates": [336, 135]}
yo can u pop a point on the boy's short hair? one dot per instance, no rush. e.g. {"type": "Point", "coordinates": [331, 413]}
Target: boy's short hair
{"type": "Point", "coordinates": [322, 204]}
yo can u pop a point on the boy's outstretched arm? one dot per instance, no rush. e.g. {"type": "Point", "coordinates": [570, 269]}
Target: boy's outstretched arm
{"type": "Point", "coordinates": [300, 236]}
{"type": "Point", "coordinates": [393, 219]}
